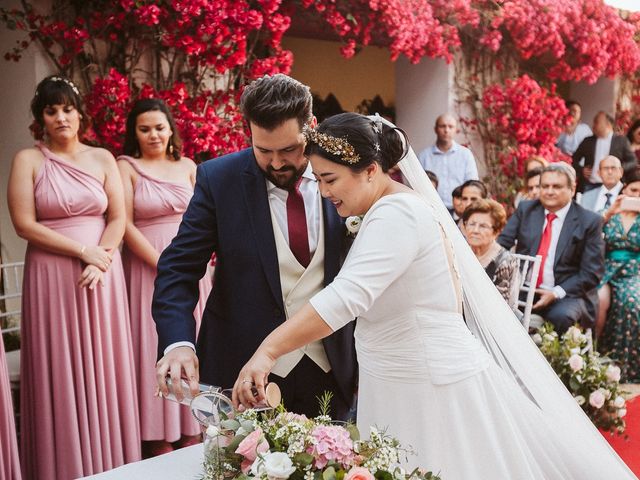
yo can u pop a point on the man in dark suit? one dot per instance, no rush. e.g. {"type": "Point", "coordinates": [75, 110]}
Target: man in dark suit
{"type": "Point", "coordinates": [277, 242]}
{"type": "Point", "coordinates": [569, 239]}
{"type": "Point", "coordinates": [603, 142]}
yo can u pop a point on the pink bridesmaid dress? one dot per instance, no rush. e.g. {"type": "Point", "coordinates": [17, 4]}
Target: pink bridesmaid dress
{"type": "Point", "coordinates": [79, 404]}
{"type": "Point", "coordinates": [9, 461]}
{"type": "Point", "coordinates": [158, 206]}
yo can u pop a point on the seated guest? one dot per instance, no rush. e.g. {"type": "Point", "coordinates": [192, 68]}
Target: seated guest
{"type": "Point", "coordinates": [587, 158]}
{"type": "Point", "coordinates": [569, 239]}
{"type": "Point", "coordinates": [531, 190]}
{"type": "Point", "coordinates": [575, 132]}
{"type": "Point", "coordinates": [472, 190]}
{"type": "Point", "coordinates": [533, 162]}
{"type": "Point", "coordinates": [483, 221]}
{"type": "Point", "coordinates": [433, 178]}
{"type": "Point", "coordinates": [600, 199]}
{"type": "Point", "coordinates": [633, 135]}
{"type": "Point", "coordinates": [458, 208]}
{"type": "Point", "coordinates": [620, 286]}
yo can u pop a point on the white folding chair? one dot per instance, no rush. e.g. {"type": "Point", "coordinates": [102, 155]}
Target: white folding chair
{"type": "Point", "coordinates": [529, 268]}
{"type": "Point", "coordinates": [10, 294]}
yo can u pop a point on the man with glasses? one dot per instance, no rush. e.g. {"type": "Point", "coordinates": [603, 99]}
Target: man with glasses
{"type": "Point", "coordinates": [600, 199]}
{"type": "Point", "coordinates": [569, 239]}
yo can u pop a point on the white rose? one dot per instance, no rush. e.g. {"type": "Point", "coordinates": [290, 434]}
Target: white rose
{"type": "Point", "coordinates": [574, 334]}
{"type": "Point", "coordinates": [278, 465]}
{"type": "Point", "coordinates": [580, 399]}
{"type": "Point", "coordinates": [613, 373]}
{"type": "Point", "coordinates": [597, 398]}
{"type": "Point", "coordinates": [622, 412]}
{"type": "Point", "coordinates": [619, 402]}
{"type": "Point", "coordinates": [537, 338]}
{"type": "Point", "coordinates": [353, 224]}
{"type": "Point", "coordinates": [576, 362]}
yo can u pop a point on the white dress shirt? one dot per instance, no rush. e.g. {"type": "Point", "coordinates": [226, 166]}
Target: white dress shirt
{"type": "Point", "coordinates": [310, 195]}
{"type": "Point", "coordinates": [602, 198]}
{"type": "Point", "coordinates": [548, 279]}
{"type": "Point", "coordinates": [453, 168]}
{"type": "Point", "coordinates": [278, 205]}
{"type": "Point", "coordinates": [568, 142]}
{"type": "Point", "coordinates": [603, 147]}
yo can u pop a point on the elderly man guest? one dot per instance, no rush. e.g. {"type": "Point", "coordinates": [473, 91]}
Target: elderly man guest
{"type": "Point", "coordinates": [587, 158]}
{"type": "Point", "coordinates": [451, 162]}
{"type": "Point", "coordinates": [569, 239]}
{"type": "Point", "coordinates": [575, 132]}
{"type": "Point", "coordinates": [601, 199]}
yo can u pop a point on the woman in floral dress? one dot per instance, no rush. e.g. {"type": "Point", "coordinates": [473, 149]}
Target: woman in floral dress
{"type": "Point", "coordinates": [621, 335]}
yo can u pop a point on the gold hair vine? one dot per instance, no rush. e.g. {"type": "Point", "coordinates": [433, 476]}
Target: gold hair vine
{"type": "Point", "coordinates": [334, 145]}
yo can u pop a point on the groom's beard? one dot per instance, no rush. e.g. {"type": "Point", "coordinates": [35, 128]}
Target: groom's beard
{"type": "Point", "coordinates": [284, 177]}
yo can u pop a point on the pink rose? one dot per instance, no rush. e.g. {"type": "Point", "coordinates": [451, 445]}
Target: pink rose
{"type": "Point", "coordinates": [359, 473]}
{"type": "Point", "coordinates": [576, 362]}
{"type": "Point", "coordinates": [250, 447]}
{"type": "Point", "coordinates": [613, 373]}
{"type": "Point", "coordinates": [597, 398]}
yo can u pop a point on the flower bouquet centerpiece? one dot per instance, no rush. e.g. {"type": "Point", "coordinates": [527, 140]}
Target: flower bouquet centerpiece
{"type": "Point", "coordinates": [279, 445]}
{"type": "Point", "coordinates": [593, 380]}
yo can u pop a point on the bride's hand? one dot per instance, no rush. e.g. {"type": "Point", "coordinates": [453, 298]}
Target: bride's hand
{"type": "Point", "coordinates": [248, 390]}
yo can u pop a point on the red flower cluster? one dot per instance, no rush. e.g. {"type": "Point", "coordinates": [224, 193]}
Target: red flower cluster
{"type": "Point", "coordinates": [524, 119]}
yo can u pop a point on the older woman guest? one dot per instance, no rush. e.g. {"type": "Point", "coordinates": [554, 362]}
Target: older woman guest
{"type": "Point", "coordinates": [620, 286]}
{"type": "Point", "coordinates": [78, 397]}
{"type": "Point", "coordinates": [483, 221]}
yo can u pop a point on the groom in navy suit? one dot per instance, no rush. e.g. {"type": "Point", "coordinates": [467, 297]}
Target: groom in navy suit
{"type": "Point", "coordinates": [277, 242]}
{"type": "Point", "coordinates": [569, 239]}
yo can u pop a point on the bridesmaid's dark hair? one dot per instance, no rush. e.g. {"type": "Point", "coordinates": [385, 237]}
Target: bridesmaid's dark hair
{"type": "Point", "coordinates": [366, 140]}
{"type": "Point", "coordinates": [56, 90]}
{"type": "Point", "coordinates": [131, 146]}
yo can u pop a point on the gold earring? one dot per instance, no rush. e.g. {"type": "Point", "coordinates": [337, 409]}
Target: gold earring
{"type": "Point", "coordinates": [171, 148]}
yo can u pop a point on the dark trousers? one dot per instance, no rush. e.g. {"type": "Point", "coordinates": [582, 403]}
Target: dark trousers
{"type": "Point", "coordinates": [566, 312]}
{"type": "Point", "coordinates": [304, 385]}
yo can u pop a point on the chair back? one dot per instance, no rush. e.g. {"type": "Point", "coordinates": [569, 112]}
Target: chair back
{"type": "Point", "coordinates": [529, 268]}
{"type": "Point", "coordinates": [10, 295]}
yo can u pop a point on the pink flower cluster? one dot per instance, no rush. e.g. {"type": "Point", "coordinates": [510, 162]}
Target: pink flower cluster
{"type": "Point", "coordinates": [252, 445]}
{"type": "Point", "coordinates": [331, 443]}
{"type": "Point", "coordinates": [524, 119]}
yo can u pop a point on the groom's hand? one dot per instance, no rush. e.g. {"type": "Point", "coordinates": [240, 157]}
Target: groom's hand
{"type": "Point", "coordinates": [180, 362]}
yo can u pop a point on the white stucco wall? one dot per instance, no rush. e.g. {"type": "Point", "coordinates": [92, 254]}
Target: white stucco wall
{"type": "Point", "coordinates": [593, 98]}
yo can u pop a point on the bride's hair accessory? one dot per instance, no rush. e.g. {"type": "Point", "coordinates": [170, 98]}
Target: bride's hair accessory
{"type": "Point", "coordinates": [337, 146]}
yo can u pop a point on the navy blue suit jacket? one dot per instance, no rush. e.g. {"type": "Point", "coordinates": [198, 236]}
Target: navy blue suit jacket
{"type": "Point", "coordinates": [579, 261]}
{"type": "Point", "coordinates": [229, 214]}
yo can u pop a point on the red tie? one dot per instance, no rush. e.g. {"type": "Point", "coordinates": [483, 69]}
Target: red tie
{"type": "Point", "coordinates": [297, 225]}
{"type": "Point", "coordinates": [545, 242]}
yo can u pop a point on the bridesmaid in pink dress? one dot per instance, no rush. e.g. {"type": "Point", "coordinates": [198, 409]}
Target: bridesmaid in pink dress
{"type": "Point", "coordinates": [79, 408]}
{"type": "Point", "coordinates": [158, 184]}
{"type": "Point", "coordinates": [9, 461]}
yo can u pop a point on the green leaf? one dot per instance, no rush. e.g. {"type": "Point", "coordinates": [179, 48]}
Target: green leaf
{"type": "Point", "coordinates": [303, 459]}
{"type": "Point", "coordinates": [354, 433]}
{"type": "Point", "coordinates": [383, 475]}
{"type": "Point", "coordinates": [329, 474]}
{"type": "Point", "coordinates": [233, 445]}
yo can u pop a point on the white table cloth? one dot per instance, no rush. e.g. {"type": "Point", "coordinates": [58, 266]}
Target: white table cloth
{"type": "Point", "coordinates": [183, 464]}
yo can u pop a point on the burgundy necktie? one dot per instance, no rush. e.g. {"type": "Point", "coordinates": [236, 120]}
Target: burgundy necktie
{"type": "Point", "coordinates": [297, 226]}
{"type": "Point", "coordinates": [545, 242]}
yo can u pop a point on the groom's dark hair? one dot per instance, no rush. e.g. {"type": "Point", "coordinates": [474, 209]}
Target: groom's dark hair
{"type": "Point", "coordinates": [270, 101]}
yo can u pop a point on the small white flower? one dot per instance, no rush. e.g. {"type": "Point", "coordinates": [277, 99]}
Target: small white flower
{"type": "Point", "coordinates": [576, 362]}
{"type": "Point", "coordinates": [619, 402]}
{"type": "Point", "coordinates": [537, 338]}
{"type": "Point", "coordinates": [574, 334]}
{"type": "Point", "coordinates": [622, 412]}
{"type": "Point", "coordinates": [353, 224]}
{"type": "Point", "coordinates": [580, 399]}
{"type": "Point", "coordinates": [212, 431]}
{"type": "Point", "coordinates": [613, 373]}
{"type": "Point", "coordinates": [549, 337]}
{"type": "Point", "coordinates": [575, 351]}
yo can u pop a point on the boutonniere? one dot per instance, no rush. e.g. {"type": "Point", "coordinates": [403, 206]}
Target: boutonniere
{"type": "Point", "coordinates": [353, 225]}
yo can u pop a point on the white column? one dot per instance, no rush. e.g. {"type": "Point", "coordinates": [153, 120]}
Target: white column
{"type": "Point", "coordinates": [593, 98]}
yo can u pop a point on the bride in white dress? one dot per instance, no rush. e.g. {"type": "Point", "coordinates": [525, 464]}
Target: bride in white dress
{"type": "Point", "coordinates": [482, 405]}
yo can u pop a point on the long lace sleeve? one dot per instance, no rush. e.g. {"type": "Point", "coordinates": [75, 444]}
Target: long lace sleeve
{"type": "Point", "coordinates": [387, 243]}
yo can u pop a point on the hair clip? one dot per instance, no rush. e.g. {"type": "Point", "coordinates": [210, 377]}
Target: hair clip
{"type": "Point", "coordinates": [334, 145]}
{"type": "Point", "coordinates": [67, 81]}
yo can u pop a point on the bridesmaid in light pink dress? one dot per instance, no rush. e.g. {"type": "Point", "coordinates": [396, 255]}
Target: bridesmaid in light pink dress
{"type": "Point", "coordinates": [9, 461]}
{"type": "Point", "coordinates": [158, 185]}
{"type": "Point", "coordinates": [79, 409]}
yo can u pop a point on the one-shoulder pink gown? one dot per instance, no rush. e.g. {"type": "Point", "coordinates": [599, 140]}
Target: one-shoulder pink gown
{"type": "Point", "coordinates": [79, 404]}
{"type": "Point", "coordinates": [158, 207]}
{"type": "Point", "coordinates": [9, 461]}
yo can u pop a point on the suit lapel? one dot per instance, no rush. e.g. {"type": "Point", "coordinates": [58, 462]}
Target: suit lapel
{"type": "Point", "coordinates": [568, 227]}
{"type": "Point", "coordinates": [333, 237]}
{"type": "Point", "coordinates": [537, 222]}
{"type": "Point", "coordinates": [257, 203]}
